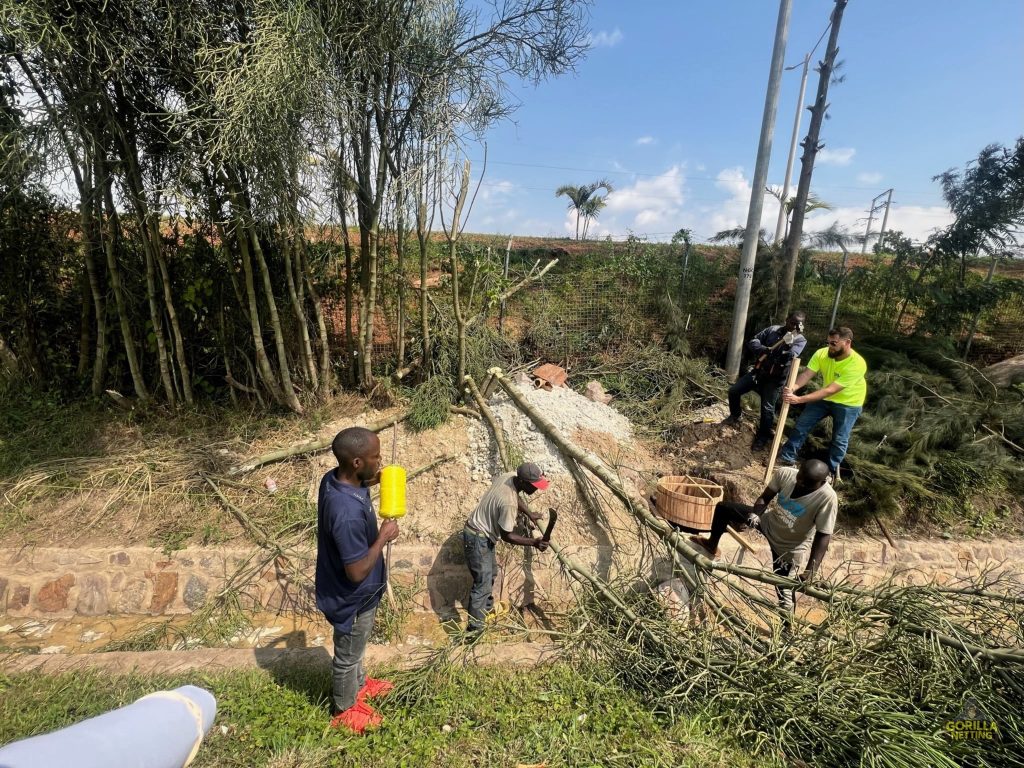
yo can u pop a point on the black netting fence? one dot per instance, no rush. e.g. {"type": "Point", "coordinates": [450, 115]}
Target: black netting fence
{"type": "Point", "coordinates": [597, 304]}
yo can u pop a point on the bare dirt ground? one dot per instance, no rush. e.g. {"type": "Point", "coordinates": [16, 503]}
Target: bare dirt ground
{"type": "Point", "coordinates": [152, 490]}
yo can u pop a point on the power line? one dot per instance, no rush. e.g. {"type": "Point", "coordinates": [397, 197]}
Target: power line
{"type": "Point", "coordinates": [628, 172]}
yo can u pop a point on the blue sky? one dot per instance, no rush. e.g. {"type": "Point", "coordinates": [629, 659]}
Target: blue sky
{"type": "Point", "coordinates": [668, 103]}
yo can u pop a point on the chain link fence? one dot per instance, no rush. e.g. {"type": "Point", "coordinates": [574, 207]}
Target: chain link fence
{"type": "Point", "coordinates": [598, 305]}
{"type": "Point", "coordinates": [612, 306]}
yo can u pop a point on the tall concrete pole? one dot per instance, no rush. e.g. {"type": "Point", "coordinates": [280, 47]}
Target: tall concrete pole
{"type": "Point", "coordinates": [764, 154]}
{"type": "Point", "coordinates": [792, 151]}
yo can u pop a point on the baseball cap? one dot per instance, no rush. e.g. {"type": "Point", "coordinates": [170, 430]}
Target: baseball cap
{"type": "Point", "coordinates": [532, 474]}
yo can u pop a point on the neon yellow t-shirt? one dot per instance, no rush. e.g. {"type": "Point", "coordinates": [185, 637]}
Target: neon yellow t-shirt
{"type": "Point", "coordinates": [848, 373]}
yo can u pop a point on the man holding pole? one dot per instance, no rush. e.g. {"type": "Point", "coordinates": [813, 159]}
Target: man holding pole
{"type": "Point", "coordinates": [798, 528]}
{"type": "Point", "coordinates": [773, 349]}
{"type": "Point", "coordinates": [841, 396]}
{"type": "Point", "coordinates": [350, 572]}
{"type": "Point", "coordinates": [495, 518]}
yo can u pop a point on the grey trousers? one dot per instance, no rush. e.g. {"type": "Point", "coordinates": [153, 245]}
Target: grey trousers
{"type": "Point", "coordinates": [483, 567]}
{"type": "Point", "coordinates": [348, 675]}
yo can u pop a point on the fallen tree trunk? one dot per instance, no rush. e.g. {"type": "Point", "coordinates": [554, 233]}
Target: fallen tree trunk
{"type": "Point", "coordinates": [499, 436]}
{"type": "Point", "coordinates": [307, 446]}
{"type": "Point", "coordinates": [1006, 373]}
{"type": "Point", "coordinates": [633, 503]}
{"type": "Point", "coordinates": [827, 593]}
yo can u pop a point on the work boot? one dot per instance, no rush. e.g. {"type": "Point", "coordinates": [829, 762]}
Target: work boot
{"type": "Point", "coordinates": [357, 718]}
{"type": "Point", "coordinates": [730, 421]}
{"type": "Point", "coordinates": [759, 444]}
{"type": "Point", "coordinates": [471, 635]}
{"type": "Point", "coordinates": [705, 544]}
{"type": "Point", "coordinates": [373, 688]}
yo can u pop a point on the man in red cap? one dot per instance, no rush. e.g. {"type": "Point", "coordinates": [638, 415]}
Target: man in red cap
{"type": "Point", "coordinates": [495, 518]}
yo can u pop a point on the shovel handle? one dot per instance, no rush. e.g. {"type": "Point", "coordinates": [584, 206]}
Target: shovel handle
{"type": "Point", "coordinates": [387, 578]}
{"type": "Point", "coordinates": [740, 540]}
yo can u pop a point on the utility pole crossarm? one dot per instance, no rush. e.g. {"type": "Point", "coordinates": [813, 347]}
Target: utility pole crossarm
{"type": "Point", "coordinates": [876, 206]}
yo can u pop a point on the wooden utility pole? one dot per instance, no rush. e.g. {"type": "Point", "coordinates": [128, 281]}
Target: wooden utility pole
{"type": "Point", "coordinates": [811, 147]}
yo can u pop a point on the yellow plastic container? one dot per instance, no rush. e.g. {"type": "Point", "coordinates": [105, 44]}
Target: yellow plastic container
{"type": "Point", "coordinates": [392, 491]}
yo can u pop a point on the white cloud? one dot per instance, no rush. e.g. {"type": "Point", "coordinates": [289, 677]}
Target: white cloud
{"type": "Point", "coordinates": [658, 206]}
{"type": "Point", "coordinates": [732, 212]}
{"type": "Point", "coordinates": [506, 219]}
{"type": "Point", "coordinates": [649, 205]}
{"type": "Point", "coordinates": [837, 156]}
{"type": "Point", "coordinates": [605, 39]}
{"type": "Point", "coordinates": [645, 140]}
{"type": "Point", "coordinates": [872, 177]}
{"type": "Point", "coordinates": [492, 190]}
{"type": "Point", "coordinates": [915, 221]}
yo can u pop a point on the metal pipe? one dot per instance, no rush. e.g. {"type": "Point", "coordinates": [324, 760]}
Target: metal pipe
{"type": "Point", "coordinates": [839, 288]}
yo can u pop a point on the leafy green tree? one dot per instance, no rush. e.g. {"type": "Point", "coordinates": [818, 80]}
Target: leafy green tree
{"type": "Point", "coordinates": [987, 201]}
{"type": "Point", "coordinates": [585, 201]}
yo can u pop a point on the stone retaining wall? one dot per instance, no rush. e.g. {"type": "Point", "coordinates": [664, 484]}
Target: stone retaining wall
{"type": "Point", "coordinates": [140, 580]}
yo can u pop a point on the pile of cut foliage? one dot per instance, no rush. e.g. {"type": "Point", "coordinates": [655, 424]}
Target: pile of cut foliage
{"type": "Point", "coordinates": [884, 676]}
{"type": "Point", "coordinates": [888, 677]}
{"type": "Point", "coordinates": [937, 444]}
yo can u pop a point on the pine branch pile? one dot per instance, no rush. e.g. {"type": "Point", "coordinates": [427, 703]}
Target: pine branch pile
{"type": "Point", "coordinates": [656, 389]}
{"type": "Point", "coordinates": [861, 686]}
{"type": "Point", "coordinates": [935, 437]}
{"type": "Point", "coordinates": [879, 678]}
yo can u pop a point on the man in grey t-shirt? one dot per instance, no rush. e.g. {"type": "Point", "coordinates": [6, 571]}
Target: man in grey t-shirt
{"type": "Point", "coordinates": [495, 518]}
{"type": "Point", "coordinates": [798, 528]}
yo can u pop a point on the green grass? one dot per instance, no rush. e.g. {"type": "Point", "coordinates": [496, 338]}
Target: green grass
{"type": "Point", "coordinates": [495, 717]}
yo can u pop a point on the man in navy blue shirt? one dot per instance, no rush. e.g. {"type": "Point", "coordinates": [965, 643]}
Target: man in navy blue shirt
{"type": "Point", "coordinates": [773, 349]}
{"type": "Point", "coordinates": [350, 577]}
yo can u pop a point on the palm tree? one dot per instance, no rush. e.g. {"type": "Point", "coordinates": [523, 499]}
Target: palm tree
{"type": "Point", "coordinates": [814, 203]}
{"type": "Point", "coordinates": [835, 237]}
{"type": "Point", "coordinates": [583, 200]}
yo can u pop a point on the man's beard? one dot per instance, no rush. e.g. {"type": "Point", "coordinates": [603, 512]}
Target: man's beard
{"type": "Point", "coordinates": [834, 353]}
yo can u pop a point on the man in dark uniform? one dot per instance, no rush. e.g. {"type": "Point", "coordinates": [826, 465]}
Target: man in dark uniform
{"type": "Point", "coordinates": [774, 348]}
{"type": "Point", "coordinates": [350, 572]}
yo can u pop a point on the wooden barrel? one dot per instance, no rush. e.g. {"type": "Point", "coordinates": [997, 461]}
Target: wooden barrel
{"type": "Point", "coordinates": [688, 501]}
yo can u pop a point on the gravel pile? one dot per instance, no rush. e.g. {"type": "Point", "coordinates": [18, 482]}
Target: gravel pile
{"type": "Point", "coordinates": [566, 409]}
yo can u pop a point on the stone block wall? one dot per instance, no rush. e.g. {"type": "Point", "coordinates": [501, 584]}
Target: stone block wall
{"type": "Point", "coordinates": [139, 580]}
{"type": "Point", "coordinates": [861, 561]}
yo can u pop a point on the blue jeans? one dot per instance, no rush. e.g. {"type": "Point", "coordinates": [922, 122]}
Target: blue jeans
{"type": "Point", "coordinates": [843, 419]}
{"type": "Point", "coordinates": [347, 673]}
{"type": "Point", "coordinates": [483, 566]}
{"type": "Point", "coordinates": [768, 390]}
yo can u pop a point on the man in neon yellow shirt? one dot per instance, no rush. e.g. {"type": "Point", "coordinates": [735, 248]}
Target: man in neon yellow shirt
{"type": "Point", "coordinates": [841, 397]}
